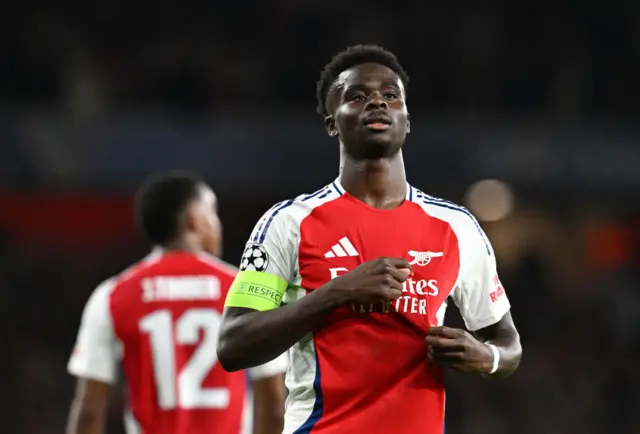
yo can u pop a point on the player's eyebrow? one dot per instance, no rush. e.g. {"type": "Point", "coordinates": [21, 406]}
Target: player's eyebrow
{"type": "Point", "coordinates": [391, 84]}
{"type": "Point", "coordinates": [365, 86]}
{"type": "Point", "coordinates": [352, 87]}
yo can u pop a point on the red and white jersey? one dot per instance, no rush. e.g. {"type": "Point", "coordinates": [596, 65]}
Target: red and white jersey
{"type": "Point", "coordinates": [368, 372]}
{"type": "Point", "coordinates": [159, 320]}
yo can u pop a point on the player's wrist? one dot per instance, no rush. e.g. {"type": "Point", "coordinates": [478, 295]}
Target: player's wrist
{"type": "Point", "coordinates": [493, 362]}
{"type": "Point", "coordinates": [337, 296]}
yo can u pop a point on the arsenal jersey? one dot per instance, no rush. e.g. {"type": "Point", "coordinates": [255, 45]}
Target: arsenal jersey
{"type": "Point", "coordinates": [159, 321]}
{"type": "Point", "coordinates": [366, 369]}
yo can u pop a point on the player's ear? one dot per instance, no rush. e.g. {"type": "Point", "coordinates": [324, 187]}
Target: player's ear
{"type": "Point", "coordinates": [191, 218]}
{"type": "Point", "coordinates": [408, 123]}
{"type": "Point", "coordinates": [330, 125]}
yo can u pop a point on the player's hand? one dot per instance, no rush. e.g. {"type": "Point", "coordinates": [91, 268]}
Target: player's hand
{"type": "Point", "coordinates": [457, 349]}
{"type": "Point", "coordinates": [373, 281]}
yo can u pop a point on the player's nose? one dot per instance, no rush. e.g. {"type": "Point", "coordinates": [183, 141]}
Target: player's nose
{"type": "Point", "coordinates": [376, 102]}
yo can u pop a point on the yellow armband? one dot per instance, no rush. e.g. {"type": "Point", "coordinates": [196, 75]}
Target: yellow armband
{"type": "Point", "coordinates": [256, 290]}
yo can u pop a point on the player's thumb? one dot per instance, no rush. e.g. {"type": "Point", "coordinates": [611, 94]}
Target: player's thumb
{"type": "Point", "coordinates": [401, 263]}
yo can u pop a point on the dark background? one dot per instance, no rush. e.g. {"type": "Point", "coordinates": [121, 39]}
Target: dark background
{"type": "Point", "coordinates": [542, 96]}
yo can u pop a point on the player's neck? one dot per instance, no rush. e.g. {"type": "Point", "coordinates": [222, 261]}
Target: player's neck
{"type": "Point", "coordinates": [380, 183]}
{"type": "Point", "coordinates": [181, 245]}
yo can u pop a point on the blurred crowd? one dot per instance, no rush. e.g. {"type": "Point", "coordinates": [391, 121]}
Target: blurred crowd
{"type": "Point", "coordinates": [572, 280]}
{"type": "Point", "coordinates": [498, 56]}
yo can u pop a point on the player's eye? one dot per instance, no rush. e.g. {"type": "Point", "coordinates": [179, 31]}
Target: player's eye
{"type": "Point", "coordinates": [358, 97]}
{"type": "Point", "coordinates": [390, 95]}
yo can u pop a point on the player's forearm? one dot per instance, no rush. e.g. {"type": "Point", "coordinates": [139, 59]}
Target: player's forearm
{"type": "Point", "coordinates": [88, 407]}
{"type": "Point", "coordinates": [250, 338]}
{"type": "Point", "coordinates": [505, 337]}
{"type": "Point", "coordinates": [269, 396]}
{"type": "Point", "coordinates": [84, 420]}
{"type": "Point", "coordinates": [268, 421]}
{"type": "Point", "coordinates": [508, 344]}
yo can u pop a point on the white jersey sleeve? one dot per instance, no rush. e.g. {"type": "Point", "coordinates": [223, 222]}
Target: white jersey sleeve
{"type": "Point", "coordinates": [272, 246]}
{"type": "Point", "coordinates": [269, 369]}
{"type": "Point", "coordinates": [479, 295]}
{"type": "Point", "coordinates": [96, 353]}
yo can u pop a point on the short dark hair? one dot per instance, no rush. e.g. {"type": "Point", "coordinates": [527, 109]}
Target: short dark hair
{"type": "Point", "coordinates": [160, 203]}
{"type": "Point", "coordinates": [350, 57]}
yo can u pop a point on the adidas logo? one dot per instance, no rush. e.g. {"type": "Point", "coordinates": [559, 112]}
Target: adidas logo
{"type": "Point", "coordinates": [342, 249]}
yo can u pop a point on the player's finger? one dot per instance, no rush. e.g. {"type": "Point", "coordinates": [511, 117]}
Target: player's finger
{"type": "Point", "coordinates": [446, 332]}
{"type": "Point", "coordinates": [389, 284]}
{"type": "Point", "coordinates": [406, 271]}
{"type": "Point", "coordinates": [393, 293]}
{"type": "Point", "coordinates": [435, 341]}
{"type": "Point", "coordinates": [447, 357]}
{"type": "Point", "coordinates": [398, 274]}
{"type": "Point", "coordinates": [438, 342]}
{"type": "Point", "coordinates": [399, 263]}
{"type": "Point", "coordinates": [435, 331]}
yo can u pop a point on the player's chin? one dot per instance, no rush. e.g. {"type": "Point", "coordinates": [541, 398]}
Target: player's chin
{"type": "Point", "coordinates": [380, 145]}
{"type": "Point", "coordinates": [391, 134]}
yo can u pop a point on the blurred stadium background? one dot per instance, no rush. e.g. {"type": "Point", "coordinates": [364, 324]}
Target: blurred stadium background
{"type": "Point", "coordinates": [526, 112]}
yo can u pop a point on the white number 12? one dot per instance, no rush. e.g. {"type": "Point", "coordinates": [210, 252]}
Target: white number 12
{"type": "Point", "coordinates": [164, 336]}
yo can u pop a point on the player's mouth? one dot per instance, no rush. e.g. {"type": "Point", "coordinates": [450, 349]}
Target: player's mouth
{"type": "Point", "coordinates": [378, 123]}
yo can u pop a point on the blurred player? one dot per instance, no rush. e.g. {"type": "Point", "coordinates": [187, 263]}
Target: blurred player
{"type": "Point", "coordinates": [364, 267]}
{"type": "Point", "coordinates": [160, 318]}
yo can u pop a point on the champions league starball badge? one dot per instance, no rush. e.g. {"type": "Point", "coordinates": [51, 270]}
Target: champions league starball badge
{"type": "Point", "coordinates": [254, 258]}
